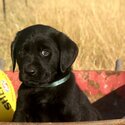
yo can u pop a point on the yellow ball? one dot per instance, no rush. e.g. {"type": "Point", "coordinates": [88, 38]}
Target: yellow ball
{"type": "Point", "coordinates": [7, 98]}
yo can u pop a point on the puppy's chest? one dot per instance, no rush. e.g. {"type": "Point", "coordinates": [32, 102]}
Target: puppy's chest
{"type": "Point", "coordinates": [39, 101]}
{"type": "Point", "coordinates": [42, 107]}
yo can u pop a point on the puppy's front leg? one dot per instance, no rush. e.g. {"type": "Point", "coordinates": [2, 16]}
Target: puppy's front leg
{"type": "Point", "coordinates": [19, 115]}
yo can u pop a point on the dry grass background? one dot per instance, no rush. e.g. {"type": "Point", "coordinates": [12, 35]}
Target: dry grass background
{"type": "Point", "coordinates": [97, 26]}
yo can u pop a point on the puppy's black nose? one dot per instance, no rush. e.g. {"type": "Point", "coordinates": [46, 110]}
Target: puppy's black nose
{"type": "Point", "coordinates": [31, 70]}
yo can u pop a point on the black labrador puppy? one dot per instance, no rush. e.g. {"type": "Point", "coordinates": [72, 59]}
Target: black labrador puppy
{"type": "Point", "coordinates": [48, 92]}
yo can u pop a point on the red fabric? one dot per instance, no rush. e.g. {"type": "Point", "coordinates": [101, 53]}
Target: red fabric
{"type": "Point", "coordinates": [92, 82]}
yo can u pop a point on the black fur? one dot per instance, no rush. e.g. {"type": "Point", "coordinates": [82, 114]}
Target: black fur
{"type": "Point", "coordinates": [45, 55]}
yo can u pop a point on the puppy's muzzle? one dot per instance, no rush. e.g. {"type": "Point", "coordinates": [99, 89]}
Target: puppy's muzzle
{"type": "Point", "coordinates": [30, 70]}
{"type": "Point", "coordinates": [34, 75]}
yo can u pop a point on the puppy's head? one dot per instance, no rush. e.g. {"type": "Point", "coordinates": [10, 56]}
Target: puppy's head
{"type": "Point", "coordinates": [42, 54]}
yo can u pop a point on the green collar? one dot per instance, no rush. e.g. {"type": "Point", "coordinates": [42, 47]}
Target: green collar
{"type": "Point", "coordinates": [57, 83]}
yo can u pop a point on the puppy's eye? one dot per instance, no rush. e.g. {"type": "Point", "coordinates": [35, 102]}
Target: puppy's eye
{"type": "Point", "coordinates": [45, 53]}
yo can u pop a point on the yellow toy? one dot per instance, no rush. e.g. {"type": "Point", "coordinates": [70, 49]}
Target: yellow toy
{"type": "Point", "coordinates": [7, 98]}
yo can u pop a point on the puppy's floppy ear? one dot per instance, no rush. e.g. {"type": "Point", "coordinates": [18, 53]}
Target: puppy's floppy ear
{"type": "Point", "coordinates": [13, 55]}
{"type": "Point", "coordinates": [69, 51]}
{"type": "Point", "coordinates": [13, 51]}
